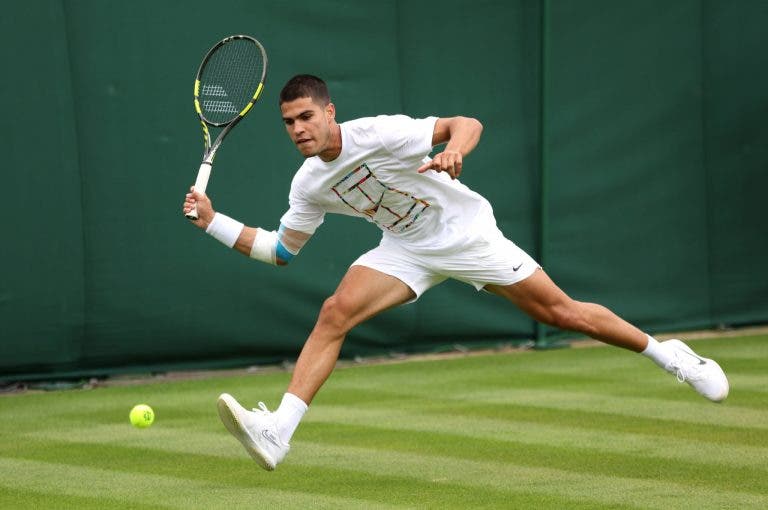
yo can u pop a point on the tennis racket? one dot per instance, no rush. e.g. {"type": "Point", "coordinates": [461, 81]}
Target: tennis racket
{"type": "Point", "coordinates": [229, 81]}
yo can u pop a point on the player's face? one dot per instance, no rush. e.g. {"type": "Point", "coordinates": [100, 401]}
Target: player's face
{"type": "Point", "coordinates": [308, 124]}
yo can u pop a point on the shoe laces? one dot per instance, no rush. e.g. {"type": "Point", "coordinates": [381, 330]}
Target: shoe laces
{"type": "Point", "coordinates": [262, 408]}
{"type": "Point", "coordinates": [679, 371]}
{"type": "Point", "coordinates": [684, 369]}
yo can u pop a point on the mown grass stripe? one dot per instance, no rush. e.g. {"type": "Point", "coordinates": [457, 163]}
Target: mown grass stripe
{"type": "Point", "coordinates": [24, 499]}
{"type": "Point", "coordinates": [386, 488]}
{"type": "Point", "coordinates": [533, 433]}
{"type": "Point", "coordinates": [752, 382]}
{"type": "Point", "coordinates": [587, 419]}
{"type": "Point", "coordinates": [699, 412]}
{"type": "Point", "coordinates": [576, 460]}
{"type": "Point", "coordinates": [396, 453]}
{"type": "Point", "coordinates": [514, 478]}
{"type": "Point", "coordinates": [156, 490]}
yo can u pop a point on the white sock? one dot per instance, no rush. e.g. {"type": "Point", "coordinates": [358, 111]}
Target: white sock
{"type": "Point", "coordinates": [657, 353]}
{"type": "Point", "coordinates": [289, 414]}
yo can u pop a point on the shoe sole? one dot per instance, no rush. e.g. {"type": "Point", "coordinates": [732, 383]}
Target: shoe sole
{"type": "Point", "coordinates": [227, 407]}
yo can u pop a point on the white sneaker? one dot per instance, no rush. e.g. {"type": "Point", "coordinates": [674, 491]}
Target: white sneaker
{"type": "Point", "coordinates": [256, 430]}
{"type": "Point", "coordinates": [702, 374]}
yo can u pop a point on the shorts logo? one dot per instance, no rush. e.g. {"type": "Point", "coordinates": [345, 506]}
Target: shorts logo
{"type": "Point", "coordinates": [388, 207]}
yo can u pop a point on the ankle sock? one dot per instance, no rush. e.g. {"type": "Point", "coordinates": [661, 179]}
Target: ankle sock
{"type": "Point", "coordinates": [657, 352]}
{"type": "Point", "coordinates": [289, 414]}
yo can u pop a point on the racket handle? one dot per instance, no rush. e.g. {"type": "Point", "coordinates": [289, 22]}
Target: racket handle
{"type": "Point", "coordinates": [201, 183]}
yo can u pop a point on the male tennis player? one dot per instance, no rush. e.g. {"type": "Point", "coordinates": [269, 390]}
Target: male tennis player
{"type": "Point", "coordinates": [434, 228]}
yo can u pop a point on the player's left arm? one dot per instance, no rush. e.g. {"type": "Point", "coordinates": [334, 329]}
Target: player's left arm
{"type": "Point", "coordinates": [462, 135]}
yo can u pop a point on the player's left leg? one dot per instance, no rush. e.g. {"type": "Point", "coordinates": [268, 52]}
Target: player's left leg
{"type": "Point", "coordinates": [539, 297]}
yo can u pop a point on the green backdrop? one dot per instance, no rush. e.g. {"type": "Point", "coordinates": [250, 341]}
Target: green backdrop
{"type": "Point", "coordinates": [624, 145]}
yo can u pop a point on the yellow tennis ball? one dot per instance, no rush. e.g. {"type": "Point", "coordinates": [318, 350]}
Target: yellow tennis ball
{"type": "Point", "coordinates": [142, 416]}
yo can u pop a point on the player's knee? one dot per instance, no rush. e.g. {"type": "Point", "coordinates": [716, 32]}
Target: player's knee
{"type": "Point", "coordinates": [335, 314]}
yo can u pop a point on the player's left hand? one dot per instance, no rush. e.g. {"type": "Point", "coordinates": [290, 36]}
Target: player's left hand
{"type": "Point", "coordinates": [446, 161]}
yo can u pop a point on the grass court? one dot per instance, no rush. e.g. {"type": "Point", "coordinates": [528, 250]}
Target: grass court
{"type": "Point", "coordinates": [573, 428]}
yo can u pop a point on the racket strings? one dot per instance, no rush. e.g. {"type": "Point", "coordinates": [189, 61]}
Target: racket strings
{"type": "Point", "coordinates": [229, 80]}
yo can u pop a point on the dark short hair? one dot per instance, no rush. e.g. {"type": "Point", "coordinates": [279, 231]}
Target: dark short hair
{"type": "Point", "coordinates": [305, 85]}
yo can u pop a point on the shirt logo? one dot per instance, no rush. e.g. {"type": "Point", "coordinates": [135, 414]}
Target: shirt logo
{"type": "Point", "coordinates": [389, 208]}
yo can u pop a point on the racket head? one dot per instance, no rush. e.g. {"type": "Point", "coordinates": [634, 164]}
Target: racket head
{"type": "Point", "coordinates": [230, 79]}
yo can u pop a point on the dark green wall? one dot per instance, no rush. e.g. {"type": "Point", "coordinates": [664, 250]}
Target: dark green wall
{"type": "Point", "coordinates": [646, 116]}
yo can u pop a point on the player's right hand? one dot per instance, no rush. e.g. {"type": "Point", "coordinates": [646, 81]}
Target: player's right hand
{"type": "Point", "coordinates": [448, 161]}
{"type": "Point", "coordinates": [205, 210]}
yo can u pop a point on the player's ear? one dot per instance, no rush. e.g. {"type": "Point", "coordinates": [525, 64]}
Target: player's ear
{"type": "Point", "coordinates": [330, 111]}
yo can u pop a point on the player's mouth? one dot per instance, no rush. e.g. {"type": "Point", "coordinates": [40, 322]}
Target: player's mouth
{"type": "Point", "coordinates": [302, 141]}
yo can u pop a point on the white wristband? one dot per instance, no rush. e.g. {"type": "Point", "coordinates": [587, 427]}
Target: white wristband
{"type": "Point", "coordinates": [265, 246]}
{"type": "Point", "coordinates": [225, 229]}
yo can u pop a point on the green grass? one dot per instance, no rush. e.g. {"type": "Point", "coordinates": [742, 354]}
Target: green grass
{"type": "Point", "coordinates": [576, 428]}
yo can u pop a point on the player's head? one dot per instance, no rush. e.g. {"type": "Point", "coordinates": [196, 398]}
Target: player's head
{"type": "Point", "coordinates": [305, 85]}
{"type": "Point", "coordinates": [308, 114]}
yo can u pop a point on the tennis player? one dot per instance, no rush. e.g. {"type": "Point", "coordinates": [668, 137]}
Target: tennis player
{"type": "Point", "coordinates": [433, 228]}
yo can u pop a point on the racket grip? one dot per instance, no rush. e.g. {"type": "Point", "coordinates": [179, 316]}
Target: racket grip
{"type": "Point", "coordinates": [201, 183]}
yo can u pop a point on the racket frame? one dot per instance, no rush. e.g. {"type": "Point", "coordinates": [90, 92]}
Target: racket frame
{"type": "Point", "coordinates": [204, 172]}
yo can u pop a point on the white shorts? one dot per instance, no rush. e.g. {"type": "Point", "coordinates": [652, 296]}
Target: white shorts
{"type": "Point", "coordinates": [489, 259]}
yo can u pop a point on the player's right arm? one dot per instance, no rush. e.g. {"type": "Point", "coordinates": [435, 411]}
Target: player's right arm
{"type": "Point", "coordinates": [461, 135]}
{"type": "Point", "coordinates": [276, 248]}
{"type": "Point", "coordinates": [285, 243]}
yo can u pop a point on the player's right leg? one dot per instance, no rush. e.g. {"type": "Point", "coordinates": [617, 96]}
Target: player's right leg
{"type": "Point", "coordinates": [362, 293]}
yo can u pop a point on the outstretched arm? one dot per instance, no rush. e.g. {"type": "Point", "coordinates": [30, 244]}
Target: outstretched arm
{"type": "Point", "coordinates": [272, 247]}
{"type": "Point", "coordinates": [462, 135]}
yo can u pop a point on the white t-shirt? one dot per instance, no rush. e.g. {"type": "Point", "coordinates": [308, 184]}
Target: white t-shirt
{"type": "Point", "coordinates": [375, 178]}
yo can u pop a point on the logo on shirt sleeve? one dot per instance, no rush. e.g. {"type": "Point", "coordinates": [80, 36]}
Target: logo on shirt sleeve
{"type": "Point", "coordinates": [388, 207]}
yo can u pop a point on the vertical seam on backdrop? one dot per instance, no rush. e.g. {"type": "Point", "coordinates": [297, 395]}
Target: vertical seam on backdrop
{"type": "Point", "coordinates": [540, 329]}
{"type": "Point", "coordinates": [76, 120]}
{"type": "Point", "coordinates": [398, 56]}
{"type": "Point", "coordinates": [417, 316]}
{"type": "Point", "coordinates": [705, 158]}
